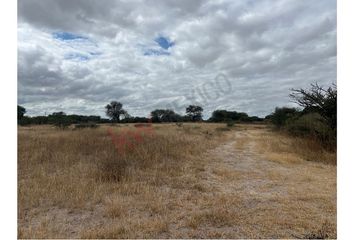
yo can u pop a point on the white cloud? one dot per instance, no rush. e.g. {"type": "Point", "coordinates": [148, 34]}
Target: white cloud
{"type": "Point", "coordinates": [264, 48]}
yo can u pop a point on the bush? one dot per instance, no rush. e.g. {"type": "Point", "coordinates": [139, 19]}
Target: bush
{"type": "Point", "coordinates": [281, 115]}
{"type": "Point", "coordinates": [225, 116]}
{"type": "Point", "coordinates": [312, 125]}
{"type": "Point", "coordinates": [318, 119]}
{"type": "Point", "coordinates": [24, 121]}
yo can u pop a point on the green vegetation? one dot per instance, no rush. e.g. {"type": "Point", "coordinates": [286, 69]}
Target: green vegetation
{"type": "Point", "coordinates": [194, 113]}
{"type": "Point", "coordinates": [233, 116]}
{"type": "Point", "coordinates": [317, 120]}
{"type": "Point", "coordinates": [117, 114]}
{"type": "Point", "coordinates": [114, 110]}
{"type": "Point", "coordinates": [61, 118]}
{"type": "Point", "coordinates": [165, 115]}
{"type": "Point", "coordinates": [20, 112]}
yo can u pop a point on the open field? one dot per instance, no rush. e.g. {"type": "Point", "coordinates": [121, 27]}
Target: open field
{"type": "Point", "coordinates": [190, 181]}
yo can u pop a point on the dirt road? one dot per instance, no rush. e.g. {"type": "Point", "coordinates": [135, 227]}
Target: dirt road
{"type": "Point", "coordinates": [261, 198]}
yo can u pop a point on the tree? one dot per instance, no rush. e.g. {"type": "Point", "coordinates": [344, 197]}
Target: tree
{"type": "Point", "coordinates": [114, 110]}
{"type": "Point", "coordinates": [281, 115]}
{"type": "Point", "coordinates": [227, 116]}
{"type": "Point", "coordinates": [220, 116]}
{"type": "Point", "coordinates": [164, 115]}
{"type": "Point", "coordinates": [20, 112]}
{"type": "Point", "coordinates": [320, 100]}
{"type": "Point", "coordinates": [59, 119]}
{"type": "Point", "coordinates": [59, 114]}
{"type": "Point", "coordinates": [194, 112]}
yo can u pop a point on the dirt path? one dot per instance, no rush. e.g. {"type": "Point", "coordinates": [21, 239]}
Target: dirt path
{"type": "Point", "coordinates": [266, 198]}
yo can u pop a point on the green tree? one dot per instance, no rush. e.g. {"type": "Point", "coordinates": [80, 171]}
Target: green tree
{"type": "Point", "coordinates": [227, 116]}
{"type": "Point", "coordinates": [194, 112]}
{"type": "Point", "coordinates": [164, 115]}
{"type": "Point", "coordinates": [20, 112]}
{"type": "Point", "coordinates": [281, 115]}
{"type": "Point", "coordinates": [59, 119]}
{"type": "Point", "coordinates": [114, 110]}
{"type": "Point", "coordinates": [58, 114]}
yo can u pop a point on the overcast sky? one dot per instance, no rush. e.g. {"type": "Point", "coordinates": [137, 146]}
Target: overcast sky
{"type": "Point", "coordinates": [78, 55]}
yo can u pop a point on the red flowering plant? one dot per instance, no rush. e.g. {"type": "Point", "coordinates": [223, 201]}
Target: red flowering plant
{"type": "Point", "coordinates": [126, 140]}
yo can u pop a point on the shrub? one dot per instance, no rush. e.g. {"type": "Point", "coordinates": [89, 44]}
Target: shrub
{"type": "Point", "coordinates": [281, 115]}
{"type": "Point", "coordinates": [306, 124]}
{"type": "Point", "coordinates": [24, 121]}
{"type": "Point", "coordinates": [225, 116]}
{"type": "Point", "coordinates": [312, 125]}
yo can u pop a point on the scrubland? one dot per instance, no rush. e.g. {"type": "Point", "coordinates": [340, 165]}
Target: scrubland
{"type": "Point", "coordinates": [190, 181]}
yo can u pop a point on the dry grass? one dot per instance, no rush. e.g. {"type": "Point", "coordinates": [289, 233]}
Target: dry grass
{"type": "Point", "coordinates": [82, 171]}
{"type": "Point", "coordinates": [190, 181]}
{"type": "Point", "coordinates": [293, 188]}
{"type": "Point", "coordinates": [280, 147]}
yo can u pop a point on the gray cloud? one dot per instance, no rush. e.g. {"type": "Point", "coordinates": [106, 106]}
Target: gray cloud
{"type": "Point", "coordinates": [264, 48]}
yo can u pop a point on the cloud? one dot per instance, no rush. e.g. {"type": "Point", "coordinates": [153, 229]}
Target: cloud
{"type": "Point", "coordinates": [78, 55]}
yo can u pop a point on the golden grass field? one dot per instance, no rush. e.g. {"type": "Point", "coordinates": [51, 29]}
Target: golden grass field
{"type": "Point", "coordinates": [192, 181]}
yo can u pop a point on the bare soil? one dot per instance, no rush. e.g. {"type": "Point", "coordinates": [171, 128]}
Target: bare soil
{"type": "Point", "coordinates": [274, 199]}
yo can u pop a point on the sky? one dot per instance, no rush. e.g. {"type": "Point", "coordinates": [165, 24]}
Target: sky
{"type": "Point", "coordinates": [77, 56]}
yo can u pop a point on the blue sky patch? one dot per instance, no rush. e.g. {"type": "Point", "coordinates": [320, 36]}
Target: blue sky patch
{"type": "Point", "coordinates": [77, 47]}
{"type": "Point", "coordinates": [164, 42]}
{"type": "Point", "coordinates": [154, 52]}
{"type": "Point", "coordinates": [160, 47]}
{"type": "Point", "coordinates": [66, 36]}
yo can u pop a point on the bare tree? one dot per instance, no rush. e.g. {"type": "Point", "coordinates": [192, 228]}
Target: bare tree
{"type": "Point", "coordinates": [320, 100]}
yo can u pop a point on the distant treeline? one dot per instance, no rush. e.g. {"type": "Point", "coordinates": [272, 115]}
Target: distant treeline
{"type": "Point", "coordinates": [157, 116]}
{"type": "Point", "coordinates": [317, 118]}
{"type": "Point", "coordinates": [61, 117]}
